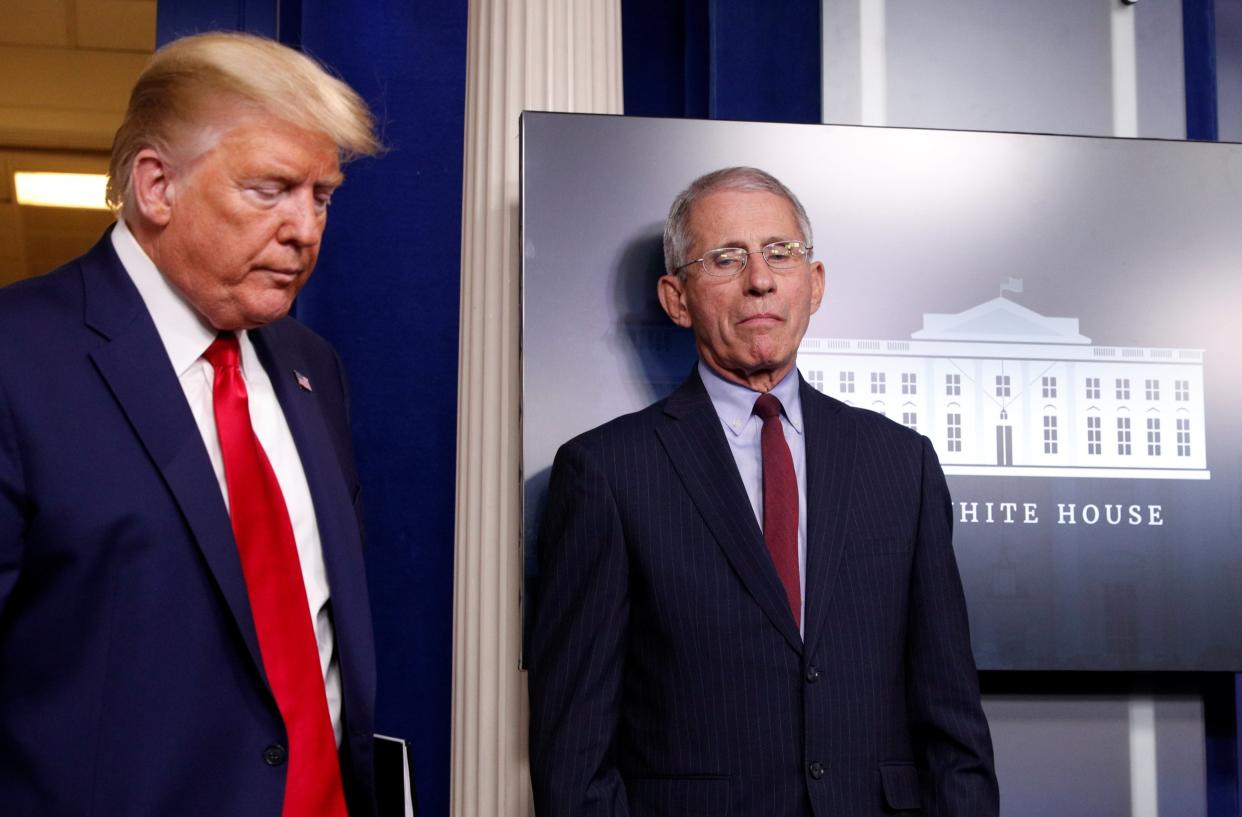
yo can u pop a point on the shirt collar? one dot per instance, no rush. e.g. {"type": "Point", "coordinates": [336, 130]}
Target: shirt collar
{"type": "Point", "coordinates": [735, 404]}
{"type": "Point", "coordinates": [184, 332]}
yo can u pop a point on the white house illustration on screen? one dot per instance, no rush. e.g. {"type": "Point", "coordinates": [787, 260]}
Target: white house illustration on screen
{"type": "Point", "coordinates": [1002, 390]}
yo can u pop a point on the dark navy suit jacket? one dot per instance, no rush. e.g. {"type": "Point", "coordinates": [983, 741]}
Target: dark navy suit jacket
{"type": "Point", "coordinates": [667, 675]}
{"type": "Point", "coordinates": [130, 675]}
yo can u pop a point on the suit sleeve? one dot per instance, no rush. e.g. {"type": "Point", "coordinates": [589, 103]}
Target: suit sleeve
{"type": "Point", "coordinates": [578, 644]}
{"type": "Point", "coordinates": [13, 504]}
{"type": "Point", "coordinates": [949, 728]}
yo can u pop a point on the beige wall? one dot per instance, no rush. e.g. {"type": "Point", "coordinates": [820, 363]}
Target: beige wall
{"type": "Point", "coordinates": [66, 67]}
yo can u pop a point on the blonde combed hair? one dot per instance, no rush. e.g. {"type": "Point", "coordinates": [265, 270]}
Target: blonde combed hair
{"type": "Point", "coordinates": [183, 80]}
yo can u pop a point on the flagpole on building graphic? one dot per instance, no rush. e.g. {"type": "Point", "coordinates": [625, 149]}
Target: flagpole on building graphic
{"type": "Point", "coordinates": [1012, 285]}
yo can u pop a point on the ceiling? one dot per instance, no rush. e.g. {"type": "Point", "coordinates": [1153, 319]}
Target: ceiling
{"type": "Point", "coordinates": [66, 67]}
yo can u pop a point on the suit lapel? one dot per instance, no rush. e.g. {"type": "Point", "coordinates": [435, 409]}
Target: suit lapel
{"type": "Point", "coordinates": [332, 499]}
{"type": "Point", "coordinates": [831, 445]}
{"type": "Point", "coordinates": [136, 367]}
{"type": "Point", "coordinates": [696, 445]}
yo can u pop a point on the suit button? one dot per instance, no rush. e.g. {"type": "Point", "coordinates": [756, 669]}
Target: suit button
{"type": "Point", "coordinates": [275, 755]}
{"type": "Point", "coordinates": [812, 675]}
{"type": "Point", "coordinates": [816, 769]}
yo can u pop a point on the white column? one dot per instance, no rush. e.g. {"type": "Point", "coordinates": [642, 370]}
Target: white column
{"type": "Point", "coordinates": [1124, 68]}
{"type": "Point", "coordinates": [873, 57]}
{"type": "Point", "coordinates": [550, 55]}
{"type": "Point", "coordinates": [1144, 791]}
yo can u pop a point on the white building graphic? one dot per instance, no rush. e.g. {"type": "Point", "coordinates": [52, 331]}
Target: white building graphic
{"type": "Point", "coordinates": [1002, 390]}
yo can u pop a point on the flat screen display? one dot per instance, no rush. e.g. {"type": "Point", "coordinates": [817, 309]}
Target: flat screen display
{"type": "Point", "coordinates": [1060, 316]}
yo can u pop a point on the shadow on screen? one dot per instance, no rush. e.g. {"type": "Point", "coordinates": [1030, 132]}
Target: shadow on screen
{"type": "Point", "coordinates": [653, 352]}
{"type": "Point", "coordinates": [658, 354]}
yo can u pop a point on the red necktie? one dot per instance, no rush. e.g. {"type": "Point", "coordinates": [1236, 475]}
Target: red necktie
{"type": "Point", "coordinates": [278, 603]}
{"type": "Point", "coordinates": [780, 501]}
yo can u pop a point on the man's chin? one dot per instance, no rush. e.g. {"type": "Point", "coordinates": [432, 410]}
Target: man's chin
{"type": "Point", "coordinates": [772, 369]}
{"type": "Point", "coordinates": [769, 360]}
{"type": "Point", "coordinates": [251, 318]}
{"type": "Point", "coordinates": [264, 318]}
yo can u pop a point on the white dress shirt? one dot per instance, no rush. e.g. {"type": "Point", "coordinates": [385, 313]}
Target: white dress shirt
{"type": "Point", "coordinates": [186, 336]}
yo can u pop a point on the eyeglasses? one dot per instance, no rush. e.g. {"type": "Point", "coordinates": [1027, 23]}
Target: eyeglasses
{"type": "Point", "coordinates": [728, 262]}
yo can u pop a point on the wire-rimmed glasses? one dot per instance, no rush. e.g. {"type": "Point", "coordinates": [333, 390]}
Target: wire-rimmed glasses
{"type": "Point", "coordinates": [727, 262]}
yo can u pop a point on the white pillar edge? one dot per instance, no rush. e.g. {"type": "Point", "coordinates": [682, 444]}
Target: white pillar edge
{"type": "Point", "coordinates": [552, 55]}
{"type": "Point", "coordinates": [1144, 788]}
{"type": "Point", "coordinates": [1144, 785]}
{"type": "Point", "coordinates": [873, 62]}
{"type": "Point", "coordinates": [1124, 50]}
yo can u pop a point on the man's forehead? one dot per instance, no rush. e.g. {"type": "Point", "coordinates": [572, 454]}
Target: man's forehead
{"type": "Point", "coordinates": [230, 120]}
{"type": "Point", "coordinates": [729, 214]}
{"type": "Point", "coordinates": [263, 144]}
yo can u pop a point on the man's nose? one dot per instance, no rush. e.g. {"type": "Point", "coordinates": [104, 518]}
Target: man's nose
{"type": "Point", "coordinates": [303, 220]}
{"type": "Point", "coordinates": [758, 275]}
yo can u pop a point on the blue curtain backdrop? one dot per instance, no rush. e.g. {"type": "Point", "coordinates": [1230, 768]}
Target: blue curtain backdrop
{"type": "Point", "coordinates": [386, 294]}
{"type": "Point", "coordinates": [1199, 50]}
{"type": "Point", "coordinates": [722, 59]}
{"type": "Point", "coordinates": [1222, 694]}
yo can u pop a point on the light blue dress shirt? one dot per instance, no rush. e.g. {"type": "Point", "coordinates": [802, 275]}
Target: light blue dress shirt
{"type": "Point", "coordinates": [735, 406]}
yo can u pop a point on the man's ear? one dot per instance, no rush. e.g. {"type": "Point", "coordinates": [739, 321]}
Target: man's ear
{"type": "Point", "coordinates": [672, 293]}
{"type": "Point", "coordinates": [152, 186]}
{"type": "Point", "coordinates": [817, 285]}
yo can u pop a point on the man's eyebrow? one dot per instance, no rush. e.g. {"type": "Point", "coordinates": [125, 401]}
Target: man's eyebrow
{"type": "Point", "coordinates": [331, 182]}
{"type": "Point", "coordinates": [730, 242]}
{"type": "Point", "coordinates": [741, 242]}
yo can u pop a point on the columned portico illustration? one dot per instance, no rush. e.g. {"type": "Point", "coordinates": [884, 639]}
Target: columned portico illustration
{"type": "Point", "coordinates": [1002, 389]}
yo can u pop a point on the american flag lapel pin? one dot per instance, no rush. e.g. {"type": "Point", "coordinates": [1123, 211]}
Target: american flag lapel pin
{"type": "Point", "coordinates": [303, 381]}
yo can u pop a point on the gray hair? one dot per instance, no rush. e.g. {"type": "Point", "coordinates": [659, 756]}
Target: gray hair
{"type": "Point", "coordinates": [677, 238]}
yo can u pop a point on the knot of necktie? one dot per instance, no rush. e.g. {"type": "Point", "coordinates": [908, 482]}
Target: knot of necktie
{"type": "Point", "coordinates": [224, 351]}
{"type": "Point", "coordinates": [768, 406]}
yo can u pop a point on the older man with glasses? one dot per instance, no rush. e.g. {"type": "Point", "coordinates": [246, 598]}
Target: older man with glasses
{"type": "Point", "coordinates": [750, 600]}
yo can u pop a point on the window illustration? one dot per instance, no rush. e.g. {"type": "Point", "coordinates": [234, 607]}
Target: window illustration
{"type": "Point", "coordinates": [954, 436]}
{"type": "Point", "coordinates": [1094, 436]}
{"type": "Point", "coordinates": [1050, 434]}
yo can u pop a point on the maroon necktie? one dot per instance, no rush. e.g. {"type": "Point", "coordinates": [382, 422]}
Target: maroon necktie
{"type": "Point", "coordinates": [269, 559]}
{"type": "Point", "coordinates": [780, 501]}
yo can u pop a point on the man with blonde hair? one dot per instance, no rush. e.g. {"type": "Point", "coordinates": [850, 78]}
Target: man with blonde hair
{"type": "Point", "coordinates": [184, 622]}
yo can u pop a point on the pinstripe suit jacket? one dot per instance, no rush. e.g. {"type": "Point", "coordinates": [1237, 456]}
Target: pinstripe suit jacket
{"type": "Point", "coordinates": [667, 675]}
